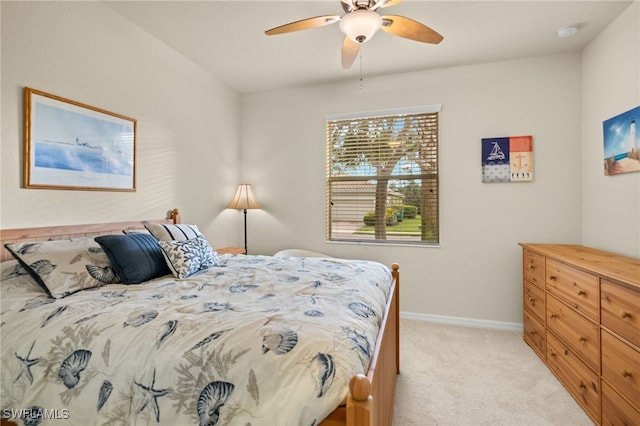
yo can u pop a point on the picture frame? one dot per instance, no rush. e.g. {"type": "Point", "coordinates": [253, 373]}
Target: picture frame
{"type": "Point", "coordinates": [622, 143]}
{"type": "Point", "coordinates": [71, 145]}
{"type": "Point", "coordinates": [507, 159]}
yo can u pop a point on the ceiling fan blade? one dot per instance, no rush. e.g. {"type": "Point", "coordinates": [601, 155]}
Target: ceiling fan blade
{"type": "Point", "coordinates": [350, 51]}
{"type": "Point", "coordinates": [347, 6]}
{"type": "Point", "coordinates": [408, 28]}
{"type": "Point", "coordinates": [387, 3]}
{"type": "Point", "coordinates": [304, 24]}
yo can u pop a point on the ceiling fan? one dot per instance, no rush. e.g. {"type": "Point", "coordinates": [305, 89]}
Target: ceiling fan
{"type": "Point", "coordinates": [360, 23]}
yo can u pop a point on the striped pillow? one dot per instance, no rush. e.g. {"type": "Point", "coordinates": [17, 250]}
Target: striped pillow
{"type": "Point", "coordinates": [169, 232]}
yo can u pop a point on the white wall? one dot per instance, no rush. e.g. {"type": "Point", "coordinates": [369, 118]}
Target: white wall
{"type": "Point", "coordinates": [188, 128]}
{"type": "Point", "coordinates": [610, 86]}
{"type": "Point", "coordinates": [476, 273]}
{"type": "Point", "coordinates": [192, 150]}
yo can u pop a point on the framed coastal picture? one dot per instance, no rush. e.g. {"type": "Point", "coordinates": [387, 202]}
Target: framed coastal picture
{"type": "Point", "coordinates": [622, 143]}
{"type": "Point", "coordinates": [507, 159]}
{"type": "Point", "coordinates": [70, 145]}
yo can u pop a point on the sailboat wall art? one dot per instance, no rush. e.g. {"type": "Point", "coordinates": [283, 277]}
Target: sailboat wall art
{"type": "Point", "coordinates": [507, 159]}
{"type": "Point", "coordinates": [622, 143]}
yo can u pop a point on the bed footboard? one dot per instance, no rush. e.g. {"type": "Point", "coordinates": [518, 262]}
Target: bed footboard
{"type": "Point", "coordinates": [371, 397]}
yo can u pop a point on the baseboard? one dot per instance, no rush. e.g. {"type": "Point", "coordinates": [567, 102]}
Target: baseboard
{"type": "Point", "coordinates": [463, 322]}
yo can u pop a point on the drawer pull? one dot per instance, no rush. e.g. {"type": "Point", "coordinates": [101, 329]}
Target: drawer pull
{"type": "Point", "coordinates": [532, 332]}
{"type": "Point", "coordinates": [625, 315]}
{"type": "Point", "coordinates": [626, 374]}
{"type": "Point", "coordinates": [552, 277]}
{"type": "Point", "coordinates": [580, 292]}
{"type": "Point", "coordinates": [532, 299]}
{"type": "Point", "coordinates": [532, 266]}
{"type": "Point", "coordinates": [552, 354]}
{"type": "Point", "coordinates": [582, 339]}
{"type": "Point", "coordinates": [552, 315]}
{"type": "Point", "coordinates": [582, 385]}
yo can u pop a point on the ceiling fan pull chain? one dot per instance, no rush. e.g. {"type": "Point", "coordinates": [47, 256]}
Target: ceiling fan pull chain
{"type": "Point", "coordinates": [361, 71]}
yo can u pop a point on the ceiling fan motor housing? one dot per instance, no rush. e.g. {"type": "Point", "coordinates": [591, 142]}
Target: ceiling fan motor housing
{"type": "Point", "coordinates": [366, 4]}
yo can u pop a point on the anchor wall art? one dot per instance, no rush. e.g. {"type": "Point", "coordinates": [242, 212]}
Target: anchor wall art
{"type": "Point", "coordinates": [622, 143]}
{"type": "Point", "coordinates": [507, 159]}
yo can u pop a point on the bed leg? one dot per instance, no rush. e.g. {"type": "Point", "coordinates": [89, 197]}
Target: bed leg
{"type": "Point", "coordinates": [359, 401]}
{"type": "Point", "coordinates": [395, 273]}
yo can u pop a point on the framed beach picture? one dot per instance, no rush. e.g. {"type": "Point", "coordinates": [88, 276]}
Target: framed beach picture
{"type": "Point", "coordinates": [70, 145]}
{"type": "Point", "coordinates": [622, 143]}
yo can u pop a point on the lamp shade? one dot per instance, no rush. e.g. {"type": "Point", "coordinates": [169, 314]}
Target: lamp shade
{"type": "Point", "coordinates": [244, 198]}
{"type": "Point", "coordinates": [360, 25]}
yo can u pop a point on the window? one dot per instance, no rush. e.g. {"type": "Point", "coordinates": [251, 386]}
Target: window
{"type": "Point", "coordinates": [382, 177]}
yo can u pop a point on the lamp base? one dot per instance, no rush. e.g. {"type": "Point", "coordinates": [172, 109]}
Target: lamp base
{"type": "Point", "coordinates": [245, 231]}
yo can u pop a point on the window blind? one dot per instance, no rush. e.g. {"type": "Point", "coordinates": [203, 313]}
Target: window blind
{"type": "Point", "coordinates": [382, 177]}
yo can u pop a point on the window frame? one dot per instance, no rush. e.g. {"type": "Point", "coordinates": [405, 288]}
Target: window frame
{"type": "Point", "coordinates": [395, 113]}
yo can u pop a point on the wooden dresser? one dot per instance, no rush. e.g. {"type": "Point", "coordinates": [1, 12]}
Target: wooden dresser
{"type": "Point", "coordinates": [582, 318]}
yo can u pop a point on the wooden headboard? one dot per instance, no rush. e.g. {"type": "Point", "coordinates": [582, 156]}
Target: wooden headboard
{"type": "Point", "coordinates": [49, 233]}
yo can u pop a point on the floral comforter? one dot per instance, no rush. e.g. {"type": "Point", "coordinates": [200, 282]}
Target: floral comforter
{"type": "Point", "coordinates": [257, 341]}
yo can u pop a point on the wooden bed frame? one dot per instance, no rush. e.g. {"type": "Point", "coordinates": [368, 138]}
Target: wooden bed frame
{"type": "Point", "coordinates": [371, 396]}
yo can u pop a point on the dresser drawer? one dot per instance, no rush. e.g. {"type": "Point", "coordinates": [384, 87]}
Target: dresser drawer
{"type": "Point", "coordinates": [615, 410]}
{"type": "Point", "coordinates": [579, 289]}
{"type": "Point", "coordinates": [621, 366]}
{"type": "Point", "coordinates": [579, 380]}
{"type": "Point", "coordinates": [576, 331]}
{"type": "Point", "coordinates": [534, 299]}
{"type": "Point", "coordinates": [621, 310]}
{"type": "Point", "coordinates": [534, 334]}
{"type": "Point", "coordinates": [533, 267]}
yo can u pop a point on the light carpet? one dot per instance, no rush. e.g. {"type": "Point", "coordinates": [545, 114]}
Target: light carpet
{"type": "Point", "coordinates": [452, 375]}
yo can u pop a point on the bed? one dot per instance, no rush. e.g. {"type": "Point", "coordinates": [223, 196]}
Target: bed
{"type": "Point", "coordinates": [216, 347]}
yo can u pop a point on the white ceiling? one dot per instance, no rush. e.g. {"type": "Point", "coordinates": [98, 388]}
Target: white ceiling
{"type": "Point", "coordinates": [227, 37]}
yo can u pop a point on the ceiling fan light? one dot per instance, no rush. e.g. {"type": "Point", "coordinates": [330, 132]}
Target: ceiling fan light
{"type": "Point", "coordinates": [360, 25]}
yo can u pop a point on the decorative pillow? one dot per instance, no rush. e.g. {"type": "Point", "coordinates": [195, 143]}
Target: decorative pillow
{"type": "Point", "coordinates": [187, 257]}
{"type": "Point", "coordinates": [11, 269]}
{"type": "Point", "coordinates": [169, 232]}
{"type": "Point", "coordinates": [136, 257]}
{"type": "Point", "coordinates": [136, 231]}
{"type": "Point", "coordinates": [63, 267]}
{"type": "Point", "coordinates": [13, 275]}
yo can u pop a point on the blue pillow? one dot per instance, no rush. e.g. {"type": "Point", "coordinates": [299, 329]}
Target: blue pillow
{"type": "Point", "coordinates": [134, 257]}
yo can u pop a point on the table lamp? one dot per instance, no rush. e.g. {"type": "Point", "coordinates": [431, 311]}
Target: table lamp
{"type": "Point", "coordinates": [244, 199]}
